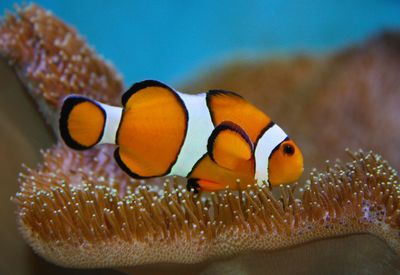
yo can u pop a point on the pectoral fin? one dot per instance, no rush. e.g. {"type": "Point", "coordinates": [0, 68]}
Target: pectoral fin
{"type": "Point", "coordinates": [229, 146]}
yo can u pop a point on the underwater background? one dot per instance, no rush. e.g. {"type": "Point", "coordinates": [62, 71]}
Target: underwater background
{"type": "Point", "coordinates": [325, 67]}
{"type": "Point", "coordinates": [174, 40]}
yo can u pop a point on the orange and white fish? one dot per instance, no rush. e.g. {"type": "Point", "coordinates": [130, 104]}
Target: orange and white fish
{"type": "Point", "coordinates": [215, 139]}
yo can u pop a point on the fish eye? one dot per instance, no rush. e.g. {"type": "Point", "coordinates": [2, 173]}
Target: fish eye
{"type": "Point", "coordinates": [288, 149]}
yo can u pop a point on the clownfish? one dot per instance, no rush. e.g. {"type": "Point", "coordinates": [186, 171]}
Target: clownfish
{"type": "Point", "coordinates": [214, 139]}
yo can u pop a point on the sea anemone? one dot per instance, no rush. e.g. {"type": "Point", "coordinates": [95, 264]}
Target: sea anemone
{"type": "Point", "coordinates": [77, 209]}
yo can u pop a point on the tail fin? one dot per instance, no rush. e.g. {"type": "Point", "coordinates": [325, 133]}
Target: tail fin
{"type": "Point", "coordinates": [82, 122]}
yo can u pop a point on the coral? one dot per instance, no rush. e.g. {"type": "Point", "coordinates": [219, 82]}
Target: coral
{"type": "Point", "coordinates": [24, 131]}
{"type": "Point", "coordinates": [75, 211]}
{"type": "Point", "coordinates": [53, 60]}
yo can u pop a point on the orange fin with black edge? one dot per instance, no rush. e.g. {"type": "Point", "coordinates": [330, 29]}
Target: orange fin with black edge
{"type": "Point", "coordinates": [152, 129]}
{"type": "Point", "coordinates": [82, 122]}
{"type": "Point", "coordinates": [229, 146]}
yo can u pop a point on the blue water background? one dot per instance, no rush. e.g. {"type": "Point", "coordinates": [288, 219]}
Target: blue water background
{"type": "Point", "coordinates": [176, 39]}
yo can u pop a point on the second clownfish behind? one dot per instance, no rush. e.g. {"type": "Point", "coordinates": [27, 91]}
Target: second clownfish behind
{"type": "Point", "coordinates": [212, 138]}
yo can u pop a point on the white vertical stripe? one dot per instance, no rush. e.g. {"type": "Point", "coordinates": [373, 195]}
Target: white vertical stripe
{"type": "Point", "coordinates": [113, 118]}
{"type": "Point", "coordinates": [199, 129]}
{"type": "Point", "coordinates": [270, 139]}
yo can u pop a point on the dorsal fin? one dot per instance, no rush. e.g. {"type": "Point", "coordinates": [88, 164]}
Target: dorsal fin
{"type": "Point", "coordinates": [229, 146]}
{"type": "Point", "coordinates": [229, 106]}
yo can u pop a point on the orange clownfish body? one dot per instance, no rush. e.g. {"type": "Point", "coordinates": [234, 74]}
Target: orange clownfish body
{"type": "Point", "coordinates": [213, 138]}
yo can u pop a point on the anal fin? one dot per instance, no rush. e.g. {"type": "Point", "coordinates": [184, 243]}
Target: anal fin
{"type": "Point", "coordinates": [203, 185]}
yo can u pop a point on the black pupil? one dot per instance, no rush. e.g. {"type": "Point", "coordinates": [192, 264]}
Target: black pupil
{"type": "Point", "coordinates": [288, 149]}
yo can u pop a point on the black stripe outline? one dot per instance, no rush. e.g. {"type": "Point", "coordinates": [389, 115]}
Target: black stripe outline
{"type": "Point", "coordinates": [262, 132]}
{"type": "Point", "coordinates": [68, 105]}
{"type": "Point", "coordinates": [277, 147]}
{"type": "Point", "coordinates": [125, 168]}
{"type": "Point", "coordinates": [196, 164]}
{"type": "Point", "coordinates": [136, 87]}
{"type": "Point", "coordinates": [224, 126]}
